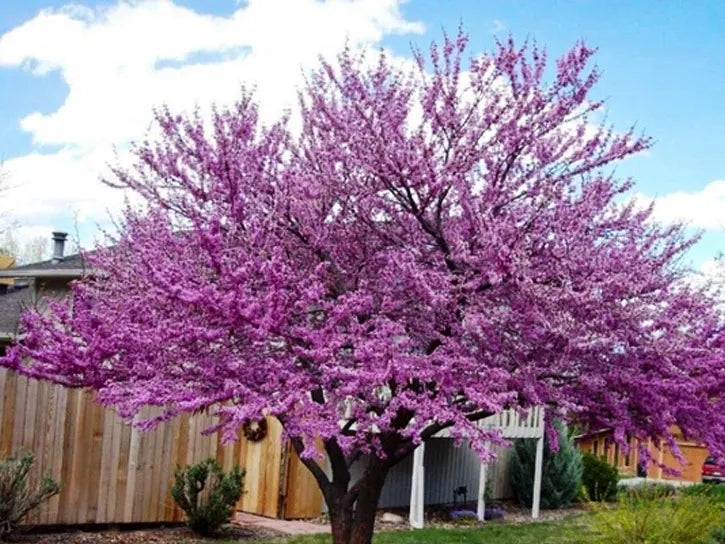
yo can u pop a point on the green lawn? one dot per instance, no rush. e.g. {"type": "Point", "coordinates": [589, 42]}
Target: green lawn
{"type": "Point", "coordinates": [569, 531]}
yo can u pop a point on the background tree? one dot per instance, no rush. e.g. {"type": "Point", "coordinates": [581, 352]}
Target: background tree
{"type": "Point", "coordinates": [3, 189]}
{"type": "Point", "coordinates": [32, 250]}
{"type": "Point", "coordinates": [29, 251]}
{"type": "Point", "coordinates": [431, 248]}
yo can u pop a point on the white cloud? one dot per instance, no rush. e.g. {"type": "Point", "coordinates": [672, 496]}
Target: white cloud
{"type": "Point", "coordinates": [66, 181]}
{"type": "Point", "coordinates": [714, 269]}
{"type": "Point", "coordinates": [712, 274]}
{"type": "Point", "coordinates": [121, 61]}
{"type": "Point", "coordinates": [497, 25]}
{"type": "Point", "coordinates": [704, 209]}
{"type": "Point", "coordinates": [110, 58]}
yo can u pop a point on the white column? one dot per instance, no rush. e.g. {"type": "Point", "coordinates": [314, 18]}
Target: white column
{"type": "Point", "coordinates": [481, 510]}
{"type": "Point", "coordinates": [417, 488]}
{"type": "Point", "coordinates": [537, 477]}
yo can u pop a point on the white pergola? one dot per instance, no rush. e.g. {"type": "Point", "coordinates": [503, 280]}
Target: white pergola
{"type": "Point", "coordinates": [511, 426]}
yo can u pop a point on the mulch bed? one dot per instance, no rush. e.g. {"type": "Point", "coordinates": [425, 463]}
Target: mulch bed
{"type": "Point", "coordinates": [439, 517]}
{"type": "Point", "coordinates": [435, 517]}
{"type": "Point", "coordinates": [516, 514]}
{"type": "Point", "coordinates": [157, 534]}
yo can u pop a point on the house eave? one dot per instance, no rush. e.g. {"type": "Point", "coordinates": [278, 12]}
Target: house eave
{"type": "Point", "coordinates": [42, 273]}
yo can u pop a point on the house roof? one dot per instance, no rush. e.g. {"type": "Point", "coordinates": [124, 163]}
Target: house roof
{"type": "Point", "coordinates": [71, 266]}
{"type": "Point", "coordinates": [12, 305]}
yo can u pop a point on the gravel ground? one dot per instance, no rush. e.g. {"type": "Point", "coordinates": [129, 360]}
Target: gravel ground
{"type": "Point", "coordinates": [439, 518]}
{"type": "Point", "coordinates": [180, 534]}
{"type": "Point", "coordinates": [513, 515]}
{"type": "Point", "coordinates": [156, 535]}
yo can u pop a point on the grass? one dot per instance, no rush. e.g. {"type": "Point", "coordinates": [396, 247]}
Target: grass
{"type": "Point", "coordinates": [568, 531]}
{"type": "Point", "coordinates": [636, 518]}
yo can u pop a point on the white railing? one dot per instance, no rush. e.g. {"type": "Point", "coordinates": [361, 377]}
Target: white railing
{"type": "Point", "coordinates": [512, 425]}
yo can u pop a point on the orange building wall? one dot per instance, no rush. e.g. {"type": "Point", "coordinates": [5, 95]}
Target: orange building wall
{"type": "Point", "coordinates": [602, 445]}
{"type": "Point", "coordinates": [691, 472]}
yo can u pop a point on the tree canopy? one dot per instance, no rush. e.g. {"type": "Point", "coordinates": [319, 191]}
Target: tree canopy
{"type": "Point", "coordinates": [431, 246]}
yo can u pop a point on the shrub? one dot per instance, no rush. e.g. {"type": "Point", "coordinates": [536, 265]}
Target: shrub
{"type": "Point", "coordinates": [718, 536]}
{"type": "Point", "coordinates": [599, 478]}
{"type": "Point", "coordinates": [561, 474]}
{"type": "Point", "coordinates": [646, 518]}
{"type": "Point", "coordinates": [16, 496]}
{"type": "Point", "coordinates": [645, 490]}
{"type": "Point", "coordinates": [207, 495]}
{"type": "Point", "coordinates": [715, 492]}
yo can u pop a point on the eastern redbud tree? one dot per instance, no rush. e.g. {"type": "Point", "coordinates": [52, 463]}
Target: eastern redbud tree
{"type": "Point", "coordinates": [430, 246]}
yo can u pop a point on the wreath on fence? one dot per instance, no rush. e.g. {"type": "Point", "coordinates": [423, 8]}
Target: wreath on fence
{"type": "Point", "coordinates": [255, 430]}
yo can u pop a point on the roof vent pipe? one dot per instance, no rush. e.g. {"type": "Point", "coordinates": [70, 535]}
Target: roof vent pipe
{"type": "Point", "coordinates": [58, 246]}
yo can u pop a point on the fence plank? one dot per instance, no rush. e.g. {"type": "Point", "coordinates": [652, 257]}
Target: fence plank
{"type": "Point", "coordinates": [111, 473]}
{"type": "Point", "coordinates": [9, 404]}
{"type": "Point", "coordinates": [3, 381]}
{"type": "Point", "coordinates": [19, 422]}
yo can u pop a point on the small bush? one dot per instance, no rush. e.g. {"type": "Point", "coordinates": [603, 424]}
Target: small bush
{"type": "Point", "coordinates": [648, 518]}
{"type": "Point", "coordinates": [561, 472]}
{"type": "Point", "coordinates": [16, 497]}
{"type": "Point", "coordinates": [718, 536]}
{"type": "Point", "coordinates": [715, 492]}
{"type": "Point", "coordinates": [207, 495]}
{"type": "Point", "coordinates": [647, 490]}
{"type": "Point", "coordinates": [599, 478]}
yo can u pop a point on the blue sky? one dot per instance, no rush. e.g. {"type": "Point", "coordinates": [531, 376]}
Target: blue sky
{"type": "Point", "coordinates": [71, 82]}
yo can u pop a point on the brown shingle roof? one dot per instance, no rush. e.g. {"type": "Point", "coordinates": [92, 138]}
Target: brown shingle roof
{"type": "Point", "coordinates": [71, 261]}
{"type": "Point", "coordinates": [70, 266]}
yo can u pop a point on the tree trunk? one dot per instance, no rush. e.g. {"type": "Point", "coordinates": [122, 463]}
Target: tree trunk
{"type": "Point", "coordinates": [354, 523]}
{"type": "Point", "coordinates": [341, 521]}
{"type": "Point", "coordinates": [352, 505]}
{"type": "Point", "coordinates": [367, 505]}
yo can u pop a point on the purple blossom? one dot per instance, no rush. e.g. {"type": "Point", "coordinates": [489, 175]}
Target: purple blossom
{"type": "Point", "coordinates": [463, 514]}
{"type": "Point", "coordinates": [431, 247]}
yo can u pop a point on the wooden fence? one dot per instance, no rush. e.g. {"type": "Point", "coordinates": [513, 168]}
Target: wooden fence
{"type": "Point", "coordinates": [112, 473]}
